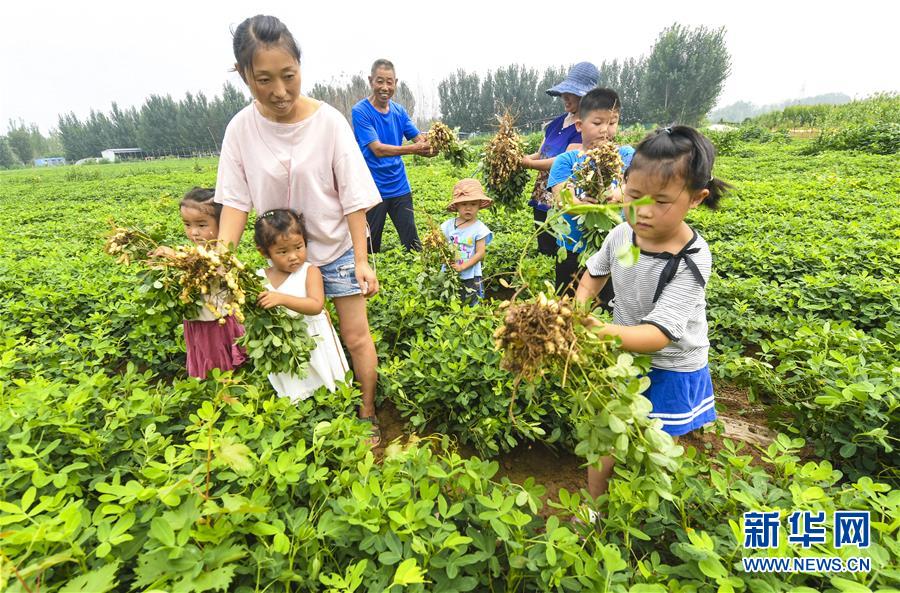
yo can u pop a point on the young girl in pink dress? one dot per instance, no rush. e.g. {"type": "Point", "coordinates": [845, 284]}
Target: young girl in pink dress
{"type": "Point", "coordinates": [210, 344]}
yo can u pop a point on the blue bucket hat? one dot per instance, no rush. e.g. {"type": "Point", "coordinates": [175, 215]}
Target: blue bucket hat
{"type": "Point", "coordinates": [583, 77]}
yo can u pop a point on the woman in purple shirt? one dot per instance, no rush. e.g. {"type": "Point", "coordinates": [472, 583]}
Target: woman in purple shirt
{"type": "Point", "coordinates": [558, 135]}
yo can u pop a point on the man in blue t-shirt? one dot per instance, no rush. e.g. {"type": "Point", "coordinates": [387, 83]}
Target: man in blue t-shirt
{"type": "Point", "coordinates": [380, 125]}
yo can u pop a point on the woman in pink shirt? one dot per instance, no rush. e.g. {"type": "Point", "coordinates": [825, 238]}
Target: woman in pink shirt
{"type": "Point", "coordinates": [286, 150]}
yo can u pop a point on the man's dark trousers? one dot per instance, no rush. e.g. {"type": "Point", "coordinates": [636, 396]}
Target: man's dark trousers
{"type": "Point", "coordinates": [400, 209]}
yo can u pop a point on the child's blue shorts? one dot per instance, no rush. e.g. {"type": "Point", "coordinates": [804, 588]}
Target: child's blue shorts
{"type": "Point", "coordinates": [683, 401]}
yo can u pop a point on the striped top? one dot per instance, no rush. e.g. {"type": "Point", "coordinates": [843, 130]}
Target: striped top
{"type": "Point", "coordinates": [664, 290]}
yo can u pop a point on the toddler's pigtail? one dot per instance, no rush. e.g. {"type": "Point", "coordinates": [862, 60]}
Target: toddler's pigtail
{"type": "Point", "coordinates": [717, 189]}
{"type": "Point", "coordinates": [681, 151]}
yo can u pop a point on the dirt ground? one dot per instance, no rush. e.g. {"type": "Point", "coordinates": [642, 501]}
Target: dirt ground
{"type": "Point", "coordinates": [739, 420]}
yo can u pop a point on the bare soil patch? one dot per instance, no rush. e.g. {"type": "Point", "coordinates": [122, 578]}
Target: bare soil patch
{"type": "Point", "coordinates": [739, 420]}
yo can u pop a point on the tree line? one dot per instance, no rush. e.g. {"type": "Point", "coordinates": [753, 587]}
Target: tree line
{"type": "Point", "coordinates": [161, 125]}
{"type": "Point", "coordinates": [471, 102]}
{"type": "Point", "coordinates": [741, 110]}
{"type": "Point", "coordinates": [22, 143]}
{"type": "Point", "coordinates": [678, 82]}
{"type": "Point", "coordinates": [344, 96]}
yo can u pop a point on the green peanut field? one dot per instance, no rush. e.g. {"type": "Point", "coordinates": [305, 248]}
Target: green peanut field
{"type": "Point", "coordinates": [118, 473]}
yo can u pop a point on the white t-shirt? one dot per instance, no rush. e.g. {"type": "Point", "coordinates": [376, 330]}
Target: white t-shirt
{"type": "Point", "coordinates": [313, 166]}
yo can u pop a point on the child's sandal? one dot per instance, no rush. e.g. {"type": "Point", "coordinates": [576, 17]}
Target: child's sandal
{"type": "Point", "coordinates": [375, 439]}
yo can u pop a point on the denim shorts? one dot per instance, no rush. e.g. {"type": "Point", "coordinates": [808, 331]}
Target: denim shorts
{"type": "Point", "coordinates": [339, 276]}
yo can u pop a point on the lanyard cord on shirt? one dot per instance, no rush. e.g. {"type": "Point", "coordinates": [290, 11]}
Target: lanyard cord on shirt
{"type": "Point", "coordinates": [288, 168]}
{"type": "Point", "coordinates": [671, 267]}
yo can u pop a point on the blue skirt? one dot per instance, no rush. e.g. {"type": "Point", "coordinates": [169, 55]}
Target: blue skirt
{"type": "Point", "coordinates": [683, 401]}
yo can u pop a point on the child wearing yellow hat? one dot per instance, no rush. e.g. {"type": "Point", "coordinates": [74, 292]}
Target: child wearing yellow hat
{"type": "Point", "coordinates": [468, 235]}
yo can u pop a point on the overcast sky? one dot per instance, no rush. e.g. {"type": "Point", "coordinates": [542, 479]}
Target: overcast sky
{"type": "Point", "coordinates": [57, 57]}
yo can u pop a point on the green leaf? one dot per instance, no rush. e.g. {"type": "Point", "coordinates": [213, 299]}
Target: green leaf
{"type": "Point", "coordinates": [638, 533]}
{"type": "Point", "coordinates": [647, 588]}
{"type": "Point", "coordinates": [100, 580]}
{"type": "Point", "coordinates": [455, 539]}
{"type": "Point", "coordinates": [123, 524]}
{"type": "Point", "coordinates": [28, 498]}
{"type": "Point", "coordinates": [812, 493]}
{"type": "Point", "coordinates": [436, 471]}
{"type": "Point", "coordinates": [237, 456]}
{"type": "Point", "coordinates": [389, 557]}
{"type": "Point", "coordinates": [522, 498]}
{"type": "Point", "coordinates": [162, 531]}
{"type": "Point", "coordinates": [848, 450]}
{"type": "Point", "coordinates": [616, 425]}
{"type": "Point", "coordinates": [627, 255]}
{"type": "Point", "coordinates": [262, 528]}
{"type": "Point", "coordinates": [216, 580]}
{"type": "Point", "coordinates": [712, 568]}
{"type": "Point", "coordinates": [408, 573]}
{"type": "Point", "coordinates": [848, 586]}
{"type": "Point", "coordinates": [281, 543]}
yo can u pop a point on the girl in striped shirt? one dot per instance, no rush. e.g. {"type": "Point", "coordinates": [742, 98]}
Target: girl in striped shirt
{"type": "Point", "coordinates": [660, 303]}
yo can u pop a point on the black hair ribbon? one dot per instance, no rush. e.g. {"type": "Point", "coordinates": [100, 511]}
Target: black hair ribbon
{"type": "Point", "coordinates": [671, 267]}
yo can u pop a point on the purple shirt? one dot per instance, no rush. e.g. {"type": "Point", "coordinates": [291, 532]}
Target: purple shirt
{"type": "Point", "coordinates": [556, 140]}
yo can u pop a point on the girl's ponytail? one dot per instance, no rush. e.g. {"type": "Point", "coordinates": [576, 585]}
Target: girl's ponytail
{"type": "Point", "coordinates": [681, 151]}
{"type": "Point", "coordinates": [717, 188]}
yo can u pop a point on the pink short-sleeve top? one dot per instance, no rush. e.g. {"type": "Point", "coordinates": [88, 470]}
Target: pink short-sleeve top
{"type": "Point", "coordinates": [313, 166]}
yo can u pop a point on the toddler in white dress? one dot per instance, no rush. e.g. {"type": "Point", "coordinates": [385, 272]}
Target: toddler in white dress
{"type": "Point", "coordinates": [296, 285]}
